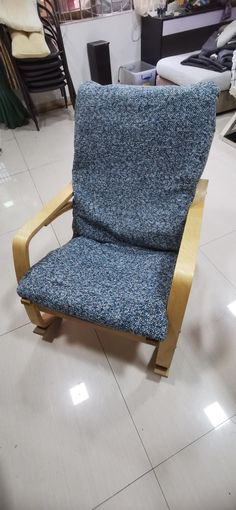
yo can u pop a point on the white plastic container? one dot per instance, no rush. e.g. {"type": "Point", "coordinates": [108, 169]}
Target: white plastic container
{"type": "Point", "coordinates": [138, 73]}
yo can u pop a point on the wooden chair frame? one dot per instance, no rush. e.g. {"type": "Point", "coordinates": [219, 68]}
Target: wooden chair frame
{"type": "Point", "coordinates": [181, 284]}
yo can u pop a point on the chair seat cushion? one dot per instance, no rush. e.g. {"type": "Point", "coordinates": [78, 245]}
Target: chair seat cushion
{"type": "Point", "coordinates": [171, 69]}
{"type": "Point", "coordinates": [29, 45]}
{"type": "Point", "coordinates": [119, 286]}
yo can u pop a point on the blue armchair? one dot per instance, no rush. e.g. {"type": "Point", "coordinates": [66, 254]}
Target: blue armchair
{"type": "Point", "coordinates": [139, 155]}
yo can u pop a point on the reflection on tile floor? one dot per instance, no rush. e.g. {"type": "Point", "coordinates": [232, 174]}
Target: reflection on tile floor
{"type": "Point", "coordinates": [84, 422]}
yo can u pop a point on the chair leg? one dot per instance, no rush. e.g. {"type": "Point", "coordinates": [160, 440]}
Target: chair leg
{"type": "Point", "coordinates": [33, 112]}
{"type": "Point", "coordinates": [63, 93]}
{"type": "Point", "coordinates": [41, 320]}
{"type": "Point", "coordinates": [165, 353]}
{"type": "Point", "coordinates": [29, 104]}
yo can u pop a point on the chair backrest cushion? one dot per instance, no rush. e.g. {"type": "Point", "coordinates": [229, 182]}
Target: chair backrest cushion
{"type": "Point", "coordinates": [139, 153]}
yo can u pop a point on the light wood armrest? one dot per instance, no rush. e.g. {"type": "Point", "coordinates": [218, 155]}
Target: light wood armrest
{"type": "Point", "coordinates": [186, 260]}
{"type": "Point", "coordinates": [58, 205]}
{"type": "Point", "coordinates": [182, 280]}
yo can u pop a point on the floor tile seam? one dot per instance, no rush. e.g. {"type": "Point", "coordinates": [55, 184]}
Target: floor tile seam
{"type": "Point", "coordinates": [17, 228]}
{"type": "Point", "coordinates": [210, 431]}
{"type": "Point", "coordinates": [123, 488]}
{"type": "Point", "coordinates": [9, 232]}
{"type": "Point", "coordinates": [22, 153]}
{"type": "Point", "coordinates": [51, 161]}
{"type": "Point", "coordinates": [14, 329]}
{"type": "Point", "coordinates": [218, 270]}
{"type": "Point", "coordinates": [161, 489]}
{"type": "Point", "coordinates": [14, 174]}
{"type": "Point", "coordinates": [37, 191]}
{"type": "Point", "coordinates": [54, 231]}
{"type": "Point", "coordinates": [122, 395]}
{"type": "Point", "coordinates": [6, 139]}
{"type": "Point", "coordinates": [217, 238]}
{"type": "Point", "coordinates": [43, 205]}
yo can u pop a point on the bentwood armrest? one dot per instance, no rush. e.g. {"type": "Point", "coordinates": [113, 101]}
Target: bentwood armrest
{"type": "Point", "coordinates": [58, 205]}
{"type": "Point", "coordinates": [182, 280]}
{"type": "Point", "coordinates": [186, 260]}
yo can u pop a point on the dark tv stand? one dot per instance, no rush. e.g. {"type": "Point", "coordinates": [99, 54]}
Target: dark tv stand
{"type": "Point", "coordinates": [163, 37]}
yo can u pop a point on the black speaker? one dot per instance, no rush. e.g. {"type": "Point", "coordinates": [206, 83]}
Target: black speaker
{"type": "Point", "coordinates": [99, 62]}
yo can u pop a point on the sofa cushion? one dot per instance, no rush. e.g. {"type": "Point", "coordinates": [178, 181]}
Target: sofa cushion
{"type": "Point", "coordinates": [139, 153]}
{"type": "Point", "coordinates": [171, 69]}
{"type": "Point", "coordinates": [117, 286]}
{"type": "Point", "coordinates": [227, 34]}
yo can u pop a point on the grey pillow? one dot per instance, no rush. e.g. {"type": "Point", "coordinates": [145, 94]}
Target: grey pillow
{"type": "Point", "coordinates": [227, 34]}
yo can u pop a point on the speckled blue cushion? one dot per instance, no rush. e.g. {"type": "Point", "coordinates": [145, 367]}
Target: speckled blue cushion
{"type": "Point", "coordinates": [122, 287]}
{"type": "Point", "coordinates": [139, 153]}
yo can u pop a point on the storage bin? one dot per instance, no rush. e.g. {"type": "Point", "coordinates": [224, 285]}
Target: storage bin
{"type": "Point", "coordinates": [138, 73]}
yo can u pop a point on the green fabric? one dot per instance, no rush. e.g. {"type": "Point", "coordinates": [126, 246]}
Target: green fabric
{"type": "Point", "coordinates": [12, 113]}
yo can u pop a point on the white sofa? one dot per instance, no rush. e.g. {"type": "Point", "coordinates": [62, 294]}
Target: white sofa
{"type": "Point", "coordinates": [171, 71]}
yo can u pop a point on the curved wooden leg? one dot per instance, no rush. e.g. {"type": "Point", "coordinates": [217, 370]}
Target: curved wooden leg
{"type": "Point", "coordinates": [165, 353]}
{"type": "Point", "coordinates": [41, 320]}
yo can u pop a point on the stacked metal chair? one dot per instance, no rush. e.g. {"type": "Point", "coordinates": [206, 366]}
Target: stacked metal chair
{"type": "Point", "coordinates": [43, 74]}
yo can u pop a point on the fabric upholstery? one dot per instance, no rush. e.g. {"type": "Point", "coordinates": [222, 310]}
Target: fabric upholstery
{"type": "Point", "coordinates": [139, 153]}
{"type": "Point", "coordinates": [120, 286]}
{"type": "Point", "coordinates": [29, 45]}
{"type": "Point", "coordinates": [171, 69]}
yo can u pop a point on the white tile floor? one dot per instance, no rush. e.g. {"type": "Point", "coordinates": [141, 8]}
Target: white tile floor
{"type": "Point", "coordinates": [133, 441]}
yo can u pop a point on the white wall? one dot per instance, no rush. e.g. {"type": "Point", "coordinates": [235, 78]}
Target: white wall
{"type": "Point", "coordinates": [121, 30]}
